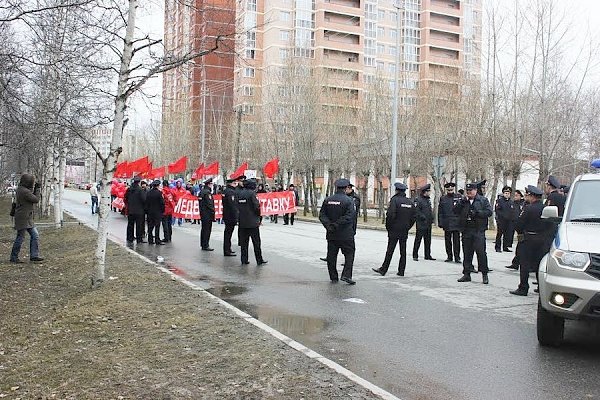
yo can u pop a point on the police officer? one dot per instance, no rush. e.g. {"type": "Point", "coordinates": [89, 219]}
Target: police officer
{"type": "Point", "coordinates": [207, 214]}
{"type": "Point", "coordinates": [400, 217]}
{"type": "Point", "coordinates": [520, 204]}
{"type": "Point", "coordinates": [534, 232]}
{"type": "Point", "coordinates": [505, 212]}
{"type": "Point", "coordinates": [448, 221]}
{"type": "Point", "coordinates": [424, 215]}
{"type": "Point", "coordinates": [230, 213]}
{"type": "Point", "coordinates": [356, 198]}
{"type": "Point", "coordinates": [135, 202]}
{"type": "Point", "coordinates": [554, 197]}
{"type": "Point", "coordinates": [249, 221]}
{"type": "Point", "coordinates": [337, 216]}
{"type": "Point", "coordinates": [473, 211]}
{"type": "Point", "coordinates": [155, 207]}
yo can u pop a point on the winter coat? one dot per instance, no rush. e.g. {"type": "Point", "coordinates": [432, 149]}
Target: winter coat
{"type": "Point", "coordinates": [505, 210]}
{"type": "Point", "coordinates": [400, 215]}
{"type": "Point", "coordinates": [424, 212]}
{"type": "Point", "coordinates": [135, 200]}
{"type": "Point", "coordinates": [26, 196]}
{"type": "Point", "coordinates": [155, 205]}
{"type": "Point", "coordinates": [447, 220]}
{"type": "Point", "coordinates": [230, 211]}
{"type": "Point", "coordinates": [248, 209]}
{"type": "Point", "coordinates": [207, 204]}
{"type": "Point", "coordinates": [473, 216]}
{"type": "Point", "coordinates": [169, 201]}
{"type": "Point", "coordinates": [337, 216]}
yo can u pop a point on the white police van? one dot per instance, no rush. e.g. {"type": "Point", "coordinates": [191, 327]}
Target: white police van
{"type": "Point", "coordinates": [569, 275]}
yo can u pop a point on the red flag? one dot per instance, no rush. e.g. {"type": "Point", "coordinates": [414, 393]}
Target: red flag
{"type": "Point", "coordinates": [156, 173]}
{"type": "Point", "coordinates": [271, 168]}
{"type": "Point", "coordinates": [199, 172]}
{"type": "Point", "coordinates": [178, 166]}
{"type": "Point", "coordinates": [122, 170]}
{"type": "Point", "coordinates": [240, 171]}
{"type": "Point", "coordinates": [212, 169]}
{"type": "Point", "coordinates": [140, 165]}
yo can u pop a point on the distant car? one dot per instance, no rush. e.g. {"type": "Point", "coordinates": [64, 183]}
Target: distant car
{"type": "Point", "coordinates": [84, 186]}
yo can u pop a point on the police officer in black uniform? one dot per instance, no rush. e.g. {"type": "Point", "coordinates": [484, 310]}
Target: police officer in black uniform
{"type": "Point", "coordinates": [249, 221]}
{"type": "Point", "coordinates": [448, 221]}
{"type": "Point", "coordinates": [473, 211]}
{"type": "Point", "coordinates": [155, 207]}
{"type": "Point", "coordinates": [207, 214]}
{"type": "Point", "coordinates": [534, 232]}
{"type": "Point", "coordinates": [337, 216]}
{"type": "Point", "coordinates": [554, 197]}
{"type": "Point", "coordinates": [424, 214]}
{"type": "Point", "coordinates": [230, 213]}
{"type": "Point", "coordinates": [400, 217]}
{"type": "Point", "coordinates": [135, 202]}
{"type": "Point", "coordinates": [505, 213]}
{"type": "Point", "coordinates": [520, 204]}
{"type": "Point", "coordinates": [356, 198]}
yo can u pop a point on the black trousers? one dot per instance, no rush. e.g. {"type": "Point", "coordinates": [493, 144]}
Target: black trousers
{"type": "Point", "coordinates": [532, 252]}
{"type": "Point", "coordinates": [516, 261]}
{"type": "Point", "coordinates": [227, 238]}
{"type": "Point", "coordinates": [167, 227]}
{"type": "Point", "coordinates": [245, 235]}
{"type": "Point", "coordinates": [505, 234]}
{"type": "Point", "coordinates": [348, 250]}
{"type": "Point", "coordinates": [288, 218]}
{"type": "Point", "coordinates": [474, 243]}
{"type": "Point", "coordinates": [205, 231]}
{"type": "Point", "coordinates": [393, 238]}
{"type": "Point", "coordinates": [424, 234]}
{"type": "Point", "coordinates": [452, 239]}
{"type": "Point", "coordinates": [154, 228]}
{"type": "Point", "coordinates": [137, 221]}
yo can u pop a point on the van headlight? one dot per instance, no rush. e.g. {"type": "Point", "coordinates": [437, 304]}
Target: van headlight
{"type": "Point", "coordinates": [571, 259]}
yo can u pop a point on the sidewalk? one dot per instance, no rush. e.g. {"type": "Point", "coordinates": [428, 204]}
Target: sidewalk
{"type": "Point", "coordinates": [142, 335]}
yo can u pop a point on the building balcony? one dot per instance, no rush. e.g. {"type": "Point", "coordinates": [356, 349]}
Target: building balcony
{"type": "Point", "coordinates": [342, 28]}
{"type": "Point", "coordinates": [444, 8]}
{"type": "Point", "coordinates": [434, 24]}
{"type": "Point", "coordinates": [445, 44]}
{"type": "Point", "coordinates": [346, 7]}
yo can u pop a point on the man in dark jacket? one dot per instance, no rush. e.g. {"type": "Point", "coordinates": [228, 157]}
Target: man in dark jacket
{"type": "Point", "coordinates": [554, 197]}
{"type": "Point", "coordinates": [249, 222]}
{"type": "Point", "coordinates": [155, 207]}
{"type": "Point", "coordinates": [424, 220]}
{"type": "Point", "coordinates": [400, 217]}
{"type": "Point", "coordinates": [230, 213]}
{"type": "Point", "coordinates": [520, 204]}
{"type": "Point", "coordinates": [27, 194]}
{"type": "Point", "coordinates": [505, 213]}
{"type": "Point", "coordinates": [289, 218]}
{"type": "Point", "coordinates": [337, 216]}
{"type": "Point", "coordinates": [473, 211]}
{"type": "Point", "coordinates": [135, 202]}
{"type": "Point", "coordinates": [207, 214]}
{"type": "Point", "coordinates": [448, 221]}
{"type": "Point", "coordinates": [356, 198]}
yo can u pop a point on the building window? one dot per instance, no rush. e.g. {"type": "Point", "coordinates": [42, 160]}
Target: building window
{"type": "Point", "coordinates": [380, 49]}
{"type": "Point", "coordinates": [284, 36]}
{"type": "Point", "coordinates": [380, 65]}
{"type": "Point", "coordinates": [370, 29]}
{"type": "Point", "coordinates": [393, 34]}
{"type": "Point", "coordinates": [369, 61]}
{"type": "Point", "coordinates": [392, 51]}
{"type": "Point", "coordinates": [370, 11]}
{"type": "Point", "coordinates": [248, 90]}
{"type": "Point", "coordinates": [250, 54]}
{"type": "Point", "coordinates": [248, 72]}
{"type": "Point", "coordinates": [251, 5]}
{"type": "Point", "coordinates": [247, 109]}
{"type": "Point", "coordinates": [381, 14]}
{"type": "Point", "coordinates": [284, 54]}
{"type": "Point", "coordinates": [392, 68]}
{"type": "Point", "coordinates": [380, 33]}
{"type": "Point", "coordinates": [285, 16]}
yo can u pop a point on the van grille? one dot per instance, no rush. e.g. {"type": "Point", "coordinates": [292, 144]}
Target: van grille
{"type": "Point", "coordinates": [594, 268]}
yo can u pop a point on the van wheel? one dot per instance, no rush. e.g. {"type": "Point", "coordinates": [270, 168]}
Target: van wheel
{"type": "Point", "coordinates": [550, 328]}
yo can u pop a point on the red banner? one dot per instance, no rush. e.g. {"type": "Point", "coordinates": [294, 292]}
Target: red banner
{"type": "Point", "coordinates": [118, 203]}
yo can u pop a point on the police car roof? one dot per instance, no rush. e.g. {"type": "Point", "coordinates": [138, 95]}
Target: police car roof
{"type": "Point", "coordinates": [588, 177]}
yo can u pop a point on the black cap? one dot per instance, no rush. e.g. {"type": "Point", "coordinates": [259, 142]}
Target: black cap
{"type": "Point", "coordinates": [230, 180]}
{"type": "Point", "coordinates": [137, 179]}
{"type": "Point", "coordinates": [239, 178]}
{"type": "Point", "coordinates": [472, 186]}
{"type": "Point", "coordinates": [400, 186]}
{"type": "Point", "coordinates": [156, 182]}
{"type": "Point", "coordinates": [165, 183]}
{"type": "Point", "coordinates": [291, 185]}
{"type": "Point", "coordinates": [506, 189]}
{"type": "Point", "coordinates": [553, 181]}
{"type": "Point", "coordinates": [534, 190]}
{"type": "Point", "coordinates": [481, 184]}
{"type": "Point", "coordinates": [425, 188]}
{"type": "Point", "coordinates": [520, 193]}
{"type": "Point", "coordinates": [450, 185]}
{"type": "Point", "coordinates": [250, 184]}
{"type": "Point", "coordinates": [342, 183]}
{"type": "Point", "coordinates": [208, 181]}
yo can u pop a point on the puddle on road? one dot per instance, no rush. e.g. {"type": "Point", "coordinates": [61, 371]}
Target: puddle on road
{"type": "Point", "coordinates": [227, 291]}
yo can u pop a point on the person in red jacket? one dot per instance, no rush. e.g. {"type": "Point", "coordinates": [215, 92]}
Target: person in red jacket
{"type": "Point", "coordinates": [178, 192]}
{"type": "Point", "coordinates": [169, 199]}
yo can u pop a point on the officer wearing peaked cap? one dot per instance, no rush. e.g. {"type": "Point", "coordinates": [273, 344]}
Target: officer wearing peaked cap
{"type": "Point", "coordinates": [249, 222]}
{"type": "Point", "coordinates": [337, 216]}
{"type": "Point", "coordinates": [400, 217]}
{"type": "Point", "coordinates": [207, 214]}
{"type": "Point", "coordinates": [424, 215]}
{"type": "Point", "coordinates": [155, 207]}
{"type": "Point", "coordinates": [554, 197]}
{"type": "Point", "coordinates": [448, 221]}
{"type": "Point", "coordinates": [230, 214]}
{"type": "Point", "coordinates": [505, 213]}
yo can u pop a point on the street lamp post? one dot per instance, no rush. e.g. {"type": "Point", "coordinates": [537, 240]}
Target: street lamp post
{"type": "Point", "coordinates": [399, 5]}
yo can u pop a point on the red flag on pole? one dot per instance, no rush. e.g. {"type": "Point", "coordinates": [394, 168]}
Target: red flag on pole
{"type": "Point", "coordinates": [140, 165]}
{"type": "Point", "coordinates": [199, 172]}
{"type": "Point", "coordinates": [271, 168]}
{"type": "Point", "coordinates": [240, 171]}
{"type": "Point", "coordinates": [156, 173]}
{"type": "Point", "coordinates": [178, 166]}
{"type": "Point", "coordinates": [212, 169]}
{"type": "Point", "coordinates": [122, 170]}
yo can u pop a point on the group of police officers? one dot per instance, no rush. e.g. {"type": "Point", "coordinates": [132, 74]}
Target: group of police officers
{"type": "Point", "coordinates": [462, 217]}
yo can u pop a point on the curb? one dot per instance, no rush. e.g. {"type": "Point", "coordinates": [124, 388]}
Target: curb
{"type": "Point", "coordinates": [264, 327]}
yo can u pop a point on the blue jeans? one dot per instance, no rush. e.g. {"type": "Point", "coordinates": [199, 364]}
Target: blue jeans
{"type": "Point", "coordinates": [94, 204]}
{"type": "Point", "coordinates": [33, 243]}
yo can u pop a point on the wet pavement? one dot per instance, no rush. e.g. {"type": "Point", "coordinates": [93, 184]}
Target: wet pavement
{"type": "Point", "coordinates": [423, 336]}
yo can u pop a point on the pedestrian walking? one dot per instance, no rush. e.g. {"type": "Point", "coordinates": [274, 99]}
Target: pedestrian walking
{"type": "Point", "coordinates": [135, 202]}
{"type": "Point", "coordinates": [424, 214]}
{"type": "Point", "coordinates": [289, 218]}
{"type": "Point", "coordinates": [337, 216]}
{"type": "Point", "coordinates": [400, 217]}
{"type": "Point", "coordinates": [473, 211]}
{"type": "Point", "coordinates": [249, 222]}
{"type": "Point", "coordinates": [167, 216]}
{"type": "Point", "coordinates": [94, 197]}
{"type": "Point", "coordinates": [27, 194]}
{"type": "Point", "coordinates": [520, 204]}
{"type": "Point", "coordinates": [449, 222]}
{"type": "Point", "coordinates": [533, 233]}
{"type": "Point", "coordinates": [207, 214]}
{"type": "Point", "coordinates": [505, 213]}
{"type": "Point", "coordinates": [230, 213]}
{"type": "Point", "coordinates": [155, 208]}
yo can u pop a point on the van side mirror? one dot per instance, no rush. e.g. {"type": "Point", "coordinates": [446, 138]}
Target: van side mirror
{"type": "Point", "coordinates": [551, 213]}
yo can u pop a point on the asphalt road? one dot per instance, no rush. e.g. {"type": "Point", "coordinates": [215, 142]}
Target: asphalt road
{"type": "Point", "coordinates": [422, 336]}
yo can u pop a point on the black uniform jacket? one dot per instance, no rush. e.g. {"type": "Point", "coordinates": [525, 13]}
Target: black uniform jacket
{"type": "Point", "coordinates": [337, 216]}
{"type": "Point", "coordinates": [447, 219]}
{"type": "Point", "coordinates": [401, 215]}
{"type": "Point", "coordinates": [207, 204]}
{"type": "Point", "coordinates": [248, 209]}
{"type": "Point", "coordinates": [230, 211]}
{"type": "Point", "coordinates": [505, 209]}
{"type": "Point", "coordinates": [155, 204]}
{"type": "Point", "coordinates": [424, 212]}
{"type": "Point", "coordinates": [531, 224]}
{"type": "Point", "coordinates": [556, 199]}
{"type": "Point", "coordinates": [473, 216]}
{"type": "Point", "coordinates": [135, 200]}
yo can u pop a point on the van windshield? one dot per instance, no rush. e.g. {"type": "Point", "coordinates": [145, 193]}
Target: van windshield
{"type": "Point", "coordinates": [584, 205]}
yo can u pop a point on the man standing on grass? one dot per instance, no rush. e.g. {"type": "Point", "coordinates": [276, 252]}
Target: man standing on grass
{"type": "Point", "coordinates": [28, 194]}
